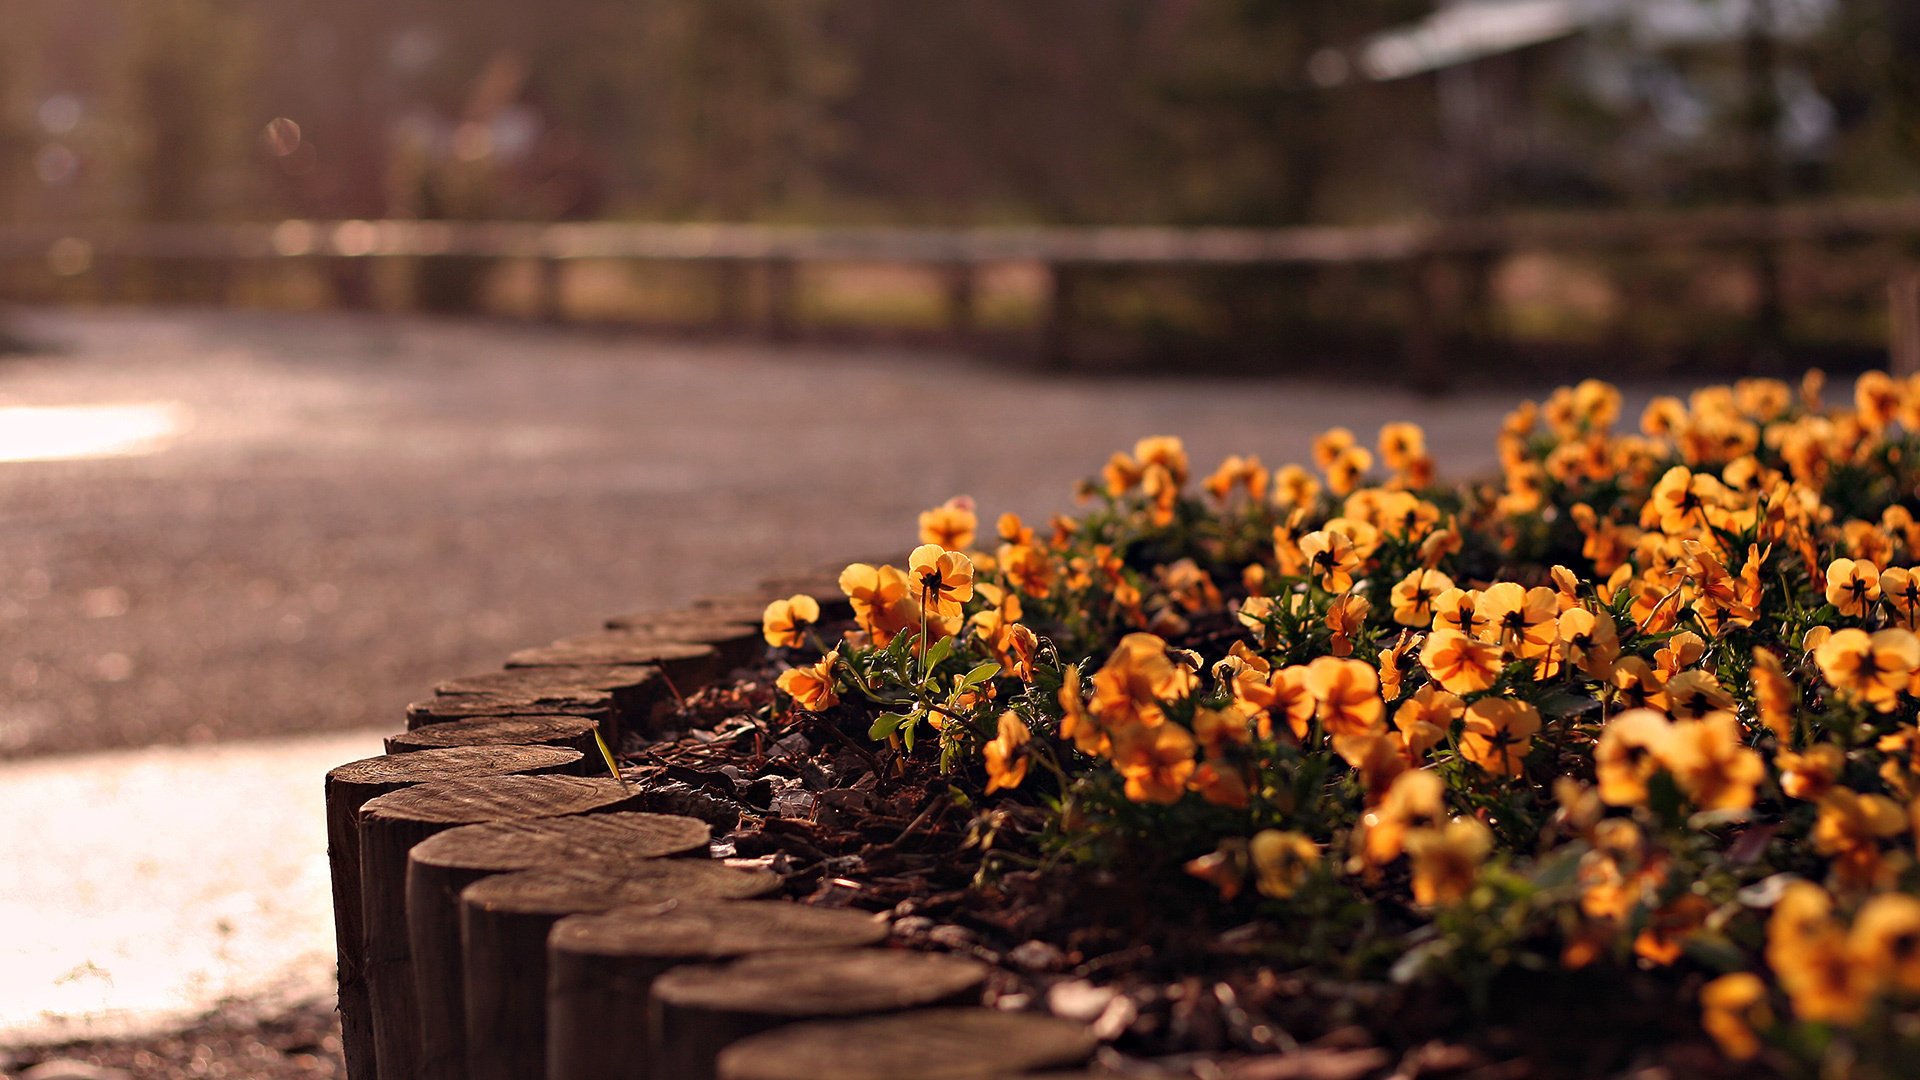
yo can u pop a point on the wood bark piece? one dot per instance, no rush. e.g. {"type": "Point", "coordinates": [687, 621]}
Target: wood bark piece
{"type": "Point", "coordinates": [634, 691]}
{"type": "Point", "coordinates": [572, 732]}
{"type": "Point", "coordinates": [504, 922]}
{"type": "Point", "coordinates": [391, 825]}
{"type": "Point", "coordinates": [687, 665]}
{"type": "Point", "coordinates": [601, 968]}
{"type": "Point", "coordinates": [700, 1010]}
{"type": "Point", "coordinates": [593, 704]}
{"type": "Point", "coordinates": [350, 787]}
{"type": "Point", "coordinates": [442, 865]}
{"type": "Point", "coordinates": [737, 642]}
{"type": "Point", "coordinates": [924, 1044]}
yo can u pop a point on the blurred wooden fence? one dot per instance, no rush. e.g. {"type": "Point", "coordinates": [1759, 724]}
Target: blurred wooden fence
{"type": "Point", "coordinates": [1430, 260]}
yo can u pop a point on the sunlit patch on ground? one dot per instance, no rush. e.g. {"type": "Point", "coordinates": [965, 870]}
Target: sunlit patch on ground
{"type": "Point", "coordinates": [65, 432]}
{"type": "Point", "coordinates": [127, 907]}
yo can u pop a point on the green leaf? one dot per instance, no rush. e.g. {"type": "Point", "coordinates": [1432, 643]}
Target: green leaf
{"type": "Point", "coordinates": [907, 730]}
{"type": "Point", "coordinates": [886, 724]}
{"type": "Point", "coordinates": [940, 651]}
{"type": "Point", "coordinates": [980, 674]}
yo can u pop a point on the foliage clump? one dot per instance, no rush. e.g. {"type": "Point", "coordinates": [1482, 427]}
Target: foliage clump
{"type": "Point", "coordinates": [1646, 700]}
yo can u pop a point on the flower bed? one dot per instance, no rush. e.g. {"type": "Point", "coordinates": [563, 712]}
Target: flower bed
{"type": "Point", "coordinates": [1565, 767]}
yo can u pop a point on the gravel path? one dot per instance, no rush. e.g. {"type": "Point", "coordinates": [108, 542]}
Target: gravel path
{"type": "Point", "coordinates": [320, 515]}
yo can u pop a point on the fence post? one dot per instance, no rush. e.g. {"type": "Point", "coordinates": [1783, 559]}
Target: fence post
{"type": "Point", "coordinates": [1903, 323]}
{"type": "Point", "coordinates": [1424, 358]}
{"type": "Point", "coordinates": [782, 298]}
{"type": "Point", "coordinates": [1056, 328]}
{"type": "Point", "coordinates": [550, 303]}
{"type": "Point", "coordinates": [962, 297]}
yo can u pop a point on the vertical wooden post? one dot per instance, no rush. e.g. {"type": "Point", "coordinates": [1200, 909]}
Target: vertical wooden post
{"type": "Point", "coordinates": [730, 307]}
{"type": "Point", "coordinates": [1903, 323]}
{"type": "Point", "coordinates": [1056, 327]}
{"type": "Point", "coordinates": [1424, 359]}
{"type": "Point", "coordinates": [962, 289]}
{"type": "Point", "coordinates": [550, 304]}
{"type": "Point", "coordinates": [782, 299]}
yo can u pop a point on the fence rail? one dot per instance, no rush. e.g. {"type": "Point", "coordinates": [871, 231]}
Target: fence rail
{"type": "Point", "coordinates": [1427, 255]}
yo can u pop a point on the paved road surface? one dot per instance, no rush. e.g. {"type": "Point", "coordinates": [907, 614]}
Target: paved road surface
{"type": "Point", "coordinates": [308, 519]}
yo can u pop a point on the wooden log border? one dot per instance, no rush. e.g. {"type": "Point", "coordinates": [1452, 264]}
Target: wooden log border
{"type": "Point", "coordinates": [615, 679]}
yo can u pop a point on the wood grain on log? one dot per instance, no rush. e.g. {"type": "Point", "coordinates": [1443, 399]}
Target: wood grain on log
{"type": "Point", "coordinates": [635, 691]}
{"type": "Point", "coordinates": [601, 968]}
{"type": "Point", "coordinates": [737, 642]}
{"type": "Point", "coordinates": [504, 922]}
{"type": "Point", "coordinates": [925, 1044]}
{"type": "Point", "coordinates": [392, 824]}
{"type": "Point", "coordinates": [572, 732]}
{"type": "Point", "coordinates": [686, 665]}
{"type": "Point", "coordinates": [592, 704]}
{"type": "Point", "coordinates": [350, 787]}
{"type": "Point", "coordinates": [442, 865]}
{"type": "Point", "coordinates": [700, 1010]}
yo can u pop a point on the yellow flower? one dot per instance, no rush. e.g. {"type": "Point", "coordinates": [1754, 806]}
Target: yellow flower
{"type": "Point", "coordinates": [880, 602]}
{"type": "Point", "coordinates": [1712, 764]}
{"type": "Point", "coordinates": [1679, 501]}
{"type": "Point", "coordinates": [1424, 719]}
{"type": "Point", "coordinates": [1693, 694]}
{"type": "Point", "coordinates": [812, 688]}
{"type": "Point", "coordinates": [1165, 451]}
{"type": "Point", "coordinates": [1498, 734]}
{"type": "Point", "coordinates": [1629, 753]}
{"type": "Point", "coordinates": [1344, 473]}
{"type": "Point", "coordinates": [1446, 861]}
{"type": "Point", "coordinates": [1331, 557]}
{"type": "Point", "coordinates": [1345, 617]}
{"type": "Point", "coordinates": [1637, 686]}
{"type": "Point", "coordinates": [1237, 472]}
{"type": "Point", "coordinates": [1007, 754]}
{"type": "Point", "coordinates": [1330, 444]}
{"type": "Point", "coordinates": [1526, 620]}
{"type": "Point", "coordinates": [1874, 667]}
{"type": "Point", "coordinates": [1027, 568]}
{"type": "Point", "coordinates": [1281, 693]}
{"type": "Point", "coordinates": [1731, 1008]}
{"type": "Point", "coordinates": [1282, 861]}
{"type": "Point", "coordinates": [1849, 830]}
{"type": "Point", "coordinates": [941, 580]}
{"type": "Point", "coordinates": [1347, 693]}
{"type": "Point", "coordinates": [784, 624]}
{"type": "Point", "coordinates": [1458, 610]}
{"type": "Point", "coordinates": [1810, 775]}
{"type": "Point", "coordinates": [1886, 940]}
{"type": "Point", "coordinates": [950, 525]}
{"type": "Point", "coordinates": [1413, 597]}
{"type": "Point", "coordinates": [1807, 951]}
{"type": "Point", "coordinates": [1461, 664]}
{"type": "Point", "coordinates": [1591, 642]}
{"type": "Point", "coordinates": [1900, 587]}
{"type": "Point", "coordinates": [1775, 696]}
{"type": "Point", "coordinates": [1852, 586]}
{"type": "Point", "coordinates": [1225, 867]}
{"type": "Point", "coordinates": [1402, 446]}
{"type": "Point", "coordinates": [1075, 722]}
{"type": "Point", "coordinates": [1416, 800]}
{"type": "Point", "coordinates": [1225, 735]}
{"type": "Point", "coordinates": [1156, 762]}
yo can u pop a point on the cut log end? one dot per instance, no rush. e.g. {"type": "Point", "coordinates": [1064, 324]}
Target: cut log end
{"type": "Point", "coordinates": [926, 1044]}
{"type": "Point", "coordinates": [600, 839]}
{"type": "Point", "coordinates": [841, 982]}
{"type": "Point", "coordinates": [572, 732]}
{"type": "Point", "coordinates": [718, 931]}
{"type": "Point", "coordinates": [453, 763]}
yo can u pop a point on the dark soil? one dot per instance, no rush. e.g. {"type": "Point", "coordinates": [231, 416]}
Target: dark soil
{"type": "Point", "coordinates": [1162, 970]}
{"type": "Point", "coordinates": [300, 1045]}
